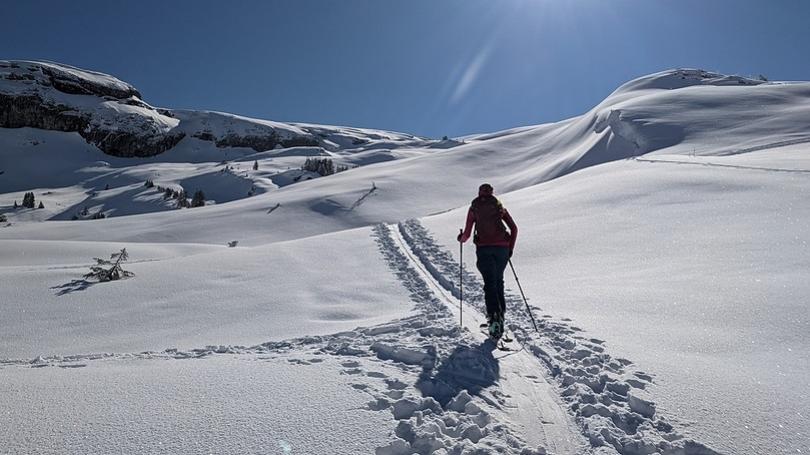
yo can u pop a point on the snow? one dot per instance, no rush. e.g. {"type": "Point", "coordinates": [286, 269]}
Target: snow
{"type": "Point", "coordinates": [693, 271]}
{"type": "Point", "coordinates": [196, 296]}
{"type": "Point", "coordinates": [663, 248]}
{"type": "Point", "coordinates": [220, 125]}
{"type": "Point", "coordinates": [225, 404]}
{"type": "Point", "coordinates": [92, 77]}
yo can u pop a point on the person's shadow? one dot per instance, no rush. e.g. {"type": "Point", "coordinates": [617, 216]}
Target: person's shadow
{"type": "Point", "coordinates": [470, 368]}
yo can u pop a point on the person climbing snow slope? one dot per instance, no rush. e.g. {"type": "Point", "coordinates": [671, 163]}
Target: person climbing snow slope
{"type": "Point", "coordinates": [494, 246]}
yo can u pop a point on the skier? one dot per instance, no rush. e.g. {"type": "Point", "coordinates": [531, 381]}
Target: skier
{"type": "Point", "coordinates": [494, 247]}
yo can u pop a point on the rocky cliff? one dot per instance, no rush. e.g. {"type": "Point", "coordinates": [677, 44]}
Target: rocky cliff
{"type": "Point", "coordinates": [112, 115]}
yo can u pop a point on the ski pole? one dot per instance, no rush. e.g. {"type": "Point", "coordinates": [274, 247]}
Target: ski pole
{"type": "Point", "coordinates": [529, 310]}
{"type": "Point", "coordinates": [460, 279]}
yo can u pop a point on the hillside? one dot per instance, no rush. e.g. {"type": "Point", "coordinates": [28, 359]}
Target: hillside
{"type": "Point", "coordinates": [663, 237]}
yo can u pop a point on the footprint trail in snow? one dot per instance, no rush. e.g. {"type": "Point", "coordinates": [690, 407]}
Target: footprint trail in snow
{"type": "Point", "coordinates": [448, 389]}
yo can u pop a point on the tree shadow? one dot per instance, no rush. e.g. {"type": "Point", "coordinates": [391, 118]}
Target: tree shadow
{"type": "Point", "coordinates": [470, 368]}
{"type": "Point", "coordinates": [73, 286]}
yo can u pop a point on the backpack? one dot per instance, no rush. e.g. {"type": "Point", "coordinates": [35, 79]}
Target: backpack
{"type": "Point", "coordinates": [489, 227]}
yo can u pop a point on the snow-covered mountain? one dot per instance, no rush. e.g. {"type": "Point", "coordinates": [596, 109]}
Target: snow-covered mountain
{"type": "Point", "coordinates": [112, 115]}
{"type": "Point", "coordinates": [667, 225]}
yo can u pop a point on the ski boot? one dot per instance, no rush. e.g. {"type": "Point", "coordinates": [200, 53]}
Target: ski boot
{"type": "Point", "coordinates": [496, 327]}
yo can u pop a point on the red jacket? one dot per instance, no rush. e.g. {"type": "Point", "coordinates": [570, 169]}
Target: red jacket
{"type": "Point", "coordinates": [488, 215]}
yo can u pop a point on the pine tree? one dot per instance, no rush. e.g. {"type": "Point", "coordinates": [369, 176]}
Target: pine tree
{"type": "Point", "coordinates": [256, 165]}
{"type": "Point", "coordinates": [323, 167]}
{"type": "Point", "coordinates": [16, 206]}
{"type": "Point", "coordinates": [199, 199]}
{"type": "Point", "coordinates": [28, 200]}
{"type": "Point", "coordinates": [182, 199]}
{"type": "Point", "coordinates": [41, 205]}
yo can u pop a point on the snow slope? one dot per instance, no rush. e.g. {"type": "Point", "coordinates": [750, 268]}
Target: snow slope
{"type": "Point", "coordinates": [667, 226]}
{"type": "Point", "coordinates": [679, 111]}
{"type": "Point", "coordinates": [693, 267]}
{"type": "Point", "coordinates": [197, 295]}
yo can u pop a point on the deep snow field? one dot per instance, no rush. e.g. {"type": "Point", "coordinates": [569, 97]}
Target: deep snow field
{"type": "Point", "coordinates": [663, 247]}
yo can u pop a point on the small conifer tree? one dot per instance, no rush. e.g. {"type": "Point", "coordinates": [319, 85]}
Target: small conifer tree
{"type": "Point", "coordinates": [199, 199]}
{"type": "Point", "coordinates": [182, 199]}
{"type": "Point", "coordinates": [28, 200]}
{"type": "Point", "coordinates": [105, 270]}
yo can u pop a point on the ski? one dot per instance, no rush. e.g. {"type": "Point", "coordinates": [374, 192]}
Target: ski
{"type": "Point", "coordinates": [502, 346]}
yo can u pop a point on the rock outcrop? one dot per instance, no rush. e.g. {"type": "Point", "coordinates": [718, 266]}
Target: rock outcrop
{"type": "Point", "coordinates": [106, 112]}
{"type": "Point", "coordinates": [111, 114]}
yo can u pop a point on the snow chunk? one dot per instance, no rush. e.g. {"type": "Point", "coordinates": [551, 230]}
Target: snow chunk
{"type": "Point", "coordinates": [400, 354]}
{"type": "Point", "coordinates": [641, 406]}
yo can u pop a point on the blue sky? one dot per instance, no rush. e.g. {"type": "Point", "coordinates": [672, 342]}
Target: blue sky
{"type": "Point", "coordinates": [425, 67]}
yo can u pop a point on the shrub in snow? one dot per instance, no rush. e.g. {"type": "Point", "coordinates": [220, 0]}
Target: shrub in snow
{"type": "Point", "coordinates": [149, 184]}
{"type": "Point", "coordinates": [98, 216]}
{"type": "Point", "coordinates": [15, 205]}
{"type": "Point", "coordinates": [105, 270]}
{"type": "Point", "coordinates": [199, 199]}
{"type": "Point", "coordinates": [107, 187]}
{"type": "Point", "coordinates": [84, 211]}
{"type": "Point", "coordinates": [3, 218]}
{"type": "Point", "coordinates": [256, 165]}
{"type": "Point", "coordinates": [233, 243]}
{"type": "Point", "coordinates": [41, 205]}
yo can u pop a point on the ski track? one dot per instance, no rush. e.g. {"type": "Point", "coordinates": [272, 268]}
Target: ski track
{"type": "Point", "coordinates": [536, 408]}
{"type": "Point", "coordinates": [606, 399]}
{"type": "Point", "coordinates": [469, 397]}
{"type": "Point", "coordinates": [727, 166]}
{"type": "Point", "coordinates": [454, 403]}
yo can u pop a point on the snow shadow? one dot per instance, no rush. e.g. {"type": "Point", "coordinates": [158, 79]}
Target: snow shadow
{"type": "Point", "coordinates": [73, 286]}
{"type": "Point", "coordinates": [470, 368]}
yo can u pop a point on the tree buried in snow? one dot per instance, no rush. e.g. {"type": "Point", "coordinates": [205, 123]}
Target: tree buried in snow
{"type": "Point", "coordinates": [105, 270]}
